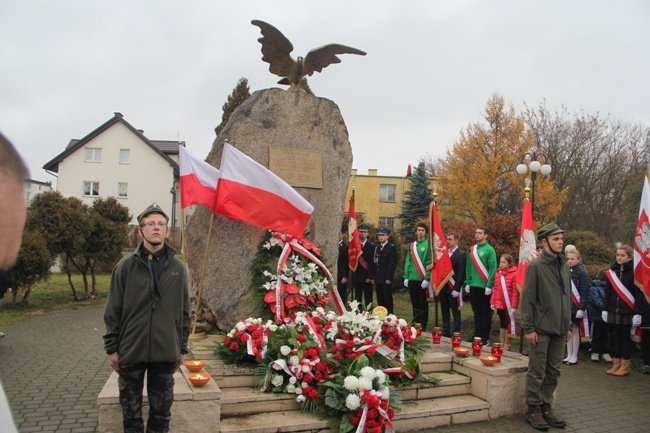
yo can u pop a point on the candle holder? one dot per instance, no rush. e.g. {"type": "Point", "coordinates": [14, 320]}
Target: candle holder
{"type": "Point", "coordinates": [437, 335]}
{"type": "Point", "coordinates": [488, 361]}
{"type": "Point", "coordinates": [456, 340]}
{"type": "Point", "coordinates": [194, 366]}
{"type": "Point", "coordinates": [497, 351]}
{"type": "Point", "coordinates": [199, 379]}
{"type": "Point", "coordinates": [477, 346]}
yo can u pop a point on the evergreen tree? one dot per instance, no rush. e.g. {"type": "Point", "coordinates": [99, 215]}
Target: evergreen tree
{"type": "Point", "coordinates": [417, 199]}
{"type": "Point", "coordinates": [240, 93]}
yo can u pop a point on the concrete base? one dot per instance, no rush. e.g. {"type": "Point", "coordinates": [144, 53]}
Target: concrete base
{"type": "Point", "coordinates": [194, 409]}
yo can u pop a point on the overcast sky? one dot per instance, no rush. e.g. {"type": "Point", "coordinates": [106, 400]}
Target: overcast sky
{"type": "Point", "coordinates": [168, 66]}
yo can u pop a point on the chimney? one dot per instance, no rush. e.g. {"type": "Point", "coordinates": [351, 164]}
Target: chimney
{"type": "Point", "coordinates": [372, 172]}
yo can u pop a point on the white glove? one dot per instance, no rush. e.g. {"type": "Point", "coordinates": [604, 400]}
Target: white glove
{"type": "Point", "coordinates": [604, 316]}
{"type": "Point", "coordinates": [467, 289]}
{"type": "Point", "coordinates": [425, 284]}
{"type": "Point", "coordinates": [406, 283]}
{"type": "Point", "coordinates": [636, 320]}
{"type": "Point", "coordinates": [488, 291]}
{"type": "Point", "coordinates": [455, 294]}
{"type": "Point", "coordinates": [580, 314]}
{"type": "Point", "coordinates": [492, 307]}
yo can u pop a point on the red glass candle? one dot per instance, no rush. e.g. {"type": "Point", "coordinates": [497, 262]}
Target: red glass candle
{"type": "Point", "coordinates": [497, 351]}
{"type": "Point", "coordinates": [455, 340]}
{"type": "Point", "coordinates": [477, 346]}
{"type": "Point", "coordinates": [437, 335]}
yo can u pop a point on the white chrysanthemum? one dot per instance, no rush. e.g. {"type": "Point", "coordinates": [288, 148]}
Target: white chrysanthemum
{"type": "Point", "coordinates": [240, 326]}
{"type": "Point", "coordinates": [298, 390]}
{"type": "Point", "coordinates": [277, 380]}
{"type": "Point", "coordinates": [352, 401]}
{"type": "Point", "coordinates": [368, 373]}
{"type": "Point", "coordinates": [285, 350]}
{"type": "Point", "coordinates": [292, 380]}
{"type": "Point", "coordinates": [351, 383]}
{"type": "Point", "coordinates": [300, 398]}
{"type": "Point", "coordinates": [365, 383]}
{"type": "Point", "coordinates": [381, 377]}
{"type": "Point", "coordinates": [294, 360]}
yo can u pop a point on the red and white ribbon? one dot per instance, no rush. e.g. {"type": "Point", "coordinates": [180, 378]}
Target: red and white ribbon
{"type": "Point", "coordinates": [625, 295]}
{"type": "Point", "coordinates": [509, 309]}
{"type": "Point", "coordinates": [478, 264]}
{"type": "Point", "coordinates": [419, 266]}
{"type": "Point", "coordinates": [584, 322]}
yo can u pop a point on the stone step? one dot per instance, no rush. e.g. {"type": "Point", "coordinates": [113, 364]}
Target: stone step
{"type": "Point", "coordinates": [414, 416]}
{"type": "Point", "coordinates": [236, 401]}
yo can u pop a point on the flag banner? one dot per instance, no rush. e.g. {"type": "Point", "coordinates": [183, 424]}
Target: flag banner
{"type": "Point", "coordinates": [198, 180]}
{"type": "Point", "coordinates": [354, 245]}
{"type": "Point", "coordinates": [250, 192]}
{"type": "Point", "coordinates": [527, 243]}
{"type": "Point", "coordinates": [642, 242]}
{"type": "Point", "coordinates": [442, 269]}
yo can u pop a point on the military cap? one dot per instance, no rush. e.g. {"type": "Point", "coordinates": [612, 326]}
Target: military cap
{"type": "Point", "coordinates": [383, 231]}
{"type": "Point", "coordinates": [548, 230]}
{"type": "Point", "coordinates": [363, 228]}
{"type": "Point", "coordinates": [153, 208]}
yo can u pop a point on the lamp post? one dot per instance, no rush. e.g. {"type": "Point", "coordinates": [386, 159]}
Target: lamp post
{"type": "Point", "coordinates": [531, 161]}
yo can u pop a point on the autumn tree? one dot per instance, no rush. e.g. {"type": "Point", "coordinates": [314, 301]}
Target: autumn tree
{"type": "Point", "coordinates": [600, 162]}
{"type": "Point", "coordinates": [417, 199]}
{"type": "Point", "coordinates": [480, 169]}
{"type": "Point", "coordinates": [240, 93]}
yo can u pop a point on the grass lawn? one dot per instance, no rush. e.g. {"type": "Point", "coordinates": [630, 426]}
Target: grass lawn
{"type": "Point", "coordinates": [53, 294]}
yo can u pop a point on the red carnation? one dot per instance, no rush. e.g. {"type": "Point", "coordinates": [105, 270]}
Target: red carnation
{"type": "Point", "coordinates": [301, 338]}
{"type": "Point", "coordinates": [226, 340]}
{"type": "Point", "coordinates": [234, 346]}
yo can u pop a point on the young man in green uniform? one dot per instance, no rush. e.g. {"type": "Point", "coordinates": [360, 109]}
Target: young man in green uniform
{"type": "Point", "coordinates": [480, 270]}
{"type": "Point", "coordinates": [416, 276]}
{"type": "Point", "coordinates": [147, 319]}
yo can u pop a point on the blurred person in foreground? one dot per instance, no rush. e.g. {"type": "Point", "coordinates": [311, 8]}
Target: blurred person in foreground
{"type": "Point", "coordinates": [13, 173]}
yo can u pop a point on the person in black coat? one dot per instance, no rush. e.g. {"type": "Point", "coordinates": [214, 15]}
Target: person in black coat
{"type": "Point", "coordinates": [365, 272]}
{"type": "Point", "coordinates": [385, 263]}
{"type": "Point", "coordinates": [452, 291]}
{"type": "Point", "coordinates": [342, 268]}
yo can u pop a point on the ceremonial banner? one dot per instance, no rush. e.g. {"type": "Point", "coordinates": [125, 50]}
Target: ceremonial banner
{"type": "Point", "coordinates": [642, 242]}
{"type": "Point", "coordinates": [442, 269]}
{"type": "Point", "coordinates": [354, 245]}
{"type": "Point", "coordinates": [527, 243]}
{"type": "Point", "coordinates": [249, 192]}
{"type": "Point", "coordinates": [198, 180]}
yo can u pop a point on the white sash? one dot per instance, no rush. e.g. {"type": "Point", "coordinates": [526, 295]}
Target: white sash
{"type": "Point", "coordinates": [478, 264]}
{"type": "Point", "coordinates": [509, 309]}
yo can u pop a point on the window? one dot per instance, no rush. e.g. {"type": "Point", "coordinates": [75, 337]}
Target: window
{"type": "Point", "coordinates": [387, 192]}
{"type": "Point", "coordinates": [122, 189]}
{"type": "Point", "coordinates": [91, 189]}
{"type": "Point", "coordinates": [124, 156]}
{"type": "Point", "coordinates": [29, 198]}
{"type": "Point", "coordinates": [93, 154]}
{"type": "Point", "coordinates": [386, 222]}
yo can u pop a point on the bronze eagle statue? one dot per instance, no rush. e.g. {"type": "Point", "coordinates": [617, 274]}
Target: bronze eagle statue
{"type": "Point", "coordinates": [276, 49]}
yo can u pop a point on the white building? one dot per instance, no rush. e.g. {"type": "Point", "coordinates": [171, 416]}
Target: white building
{"type": "Point", "coordinates": [118, 160]}
{"type": "Point", "coordinates": [34, 188]}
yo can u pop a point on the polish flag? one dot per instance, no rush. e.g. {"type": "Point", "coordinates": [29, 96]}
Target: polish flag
{"type": "Point", "coordinates": [442, 269]}
{"type": "Point", "coordinates": [527, 243]}
{"type": "Point", "coordinates": [250, 192]}
{"type": "Point", "coordinates": [354, 244]}
{"type": "Point", "coordinates": [198, 180]}
{"type": "Point", "coordinates": [642, 242]}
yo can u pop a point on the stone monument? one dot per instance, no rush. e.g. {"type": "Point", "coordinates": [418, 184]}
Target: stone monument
{"type": "Point", "coordinates": [286, 124]}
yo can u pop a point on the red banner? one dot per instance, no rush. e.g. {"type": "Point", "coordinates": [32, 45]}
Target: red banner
{"type": "Point", "coordinates": [354, 245]}
{"type": "Point", "coordinates": [442, 269]}
{"type": "Point", "coordinates": [527, 243]}
{"type": "Point", "coordinates": [642, 242]}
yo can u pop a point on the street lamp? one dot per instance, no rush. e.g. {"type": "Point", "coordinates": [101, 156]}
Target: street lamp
{"type": "Point", "coordinates": [531, 161]}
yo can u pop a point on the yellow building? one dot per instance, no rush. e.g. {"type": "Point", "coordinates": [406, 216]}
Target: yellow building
{"type": "Point", "coordinates": [378, 199]}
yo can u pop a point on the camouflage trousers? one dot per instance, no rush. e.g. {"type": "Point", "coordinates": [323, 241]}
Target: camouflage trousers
{"type": "Point", "coordinates": [160, 393]}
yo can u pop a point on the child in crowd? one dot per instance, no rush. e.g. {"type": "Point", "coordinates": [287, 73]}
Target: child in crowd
{"type": "Point", "coordinates": [579, 296]}
{"type": "Point", "coordinates": [623, 307]}
{"type": "Point", "coordinates": [599, 332]}
{"type": "Point", "coordinates": [505, 298]}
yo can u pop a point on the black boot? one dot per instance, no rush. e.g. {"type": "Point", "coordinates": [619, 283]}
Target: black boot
{"type": "Point", "coordinates": [535, 418]}
{"type": "Point", "coordinates": [551, 418]}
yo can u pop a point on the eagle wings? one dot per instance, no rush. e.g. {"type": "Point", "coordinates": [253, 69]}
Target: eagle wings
{"type": "Point", "coordinates": [276, 49]}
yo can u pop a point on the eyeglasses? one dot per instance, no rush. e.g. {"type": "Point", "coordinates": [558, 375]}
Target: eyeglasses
{"type": "Point", "coordinates": [152, 224]}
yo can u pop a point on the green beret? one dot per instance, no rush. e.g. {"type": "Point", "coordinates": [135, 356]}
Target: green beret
{"type": "Point", "coordinates": [548, 230]}
{"type": "Point", "coordinates": [153, 208]}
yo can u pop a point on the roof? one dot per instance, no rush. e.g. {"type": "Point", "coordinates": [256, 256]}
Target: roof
{"type": "Point", "coordinates": [161, 147]}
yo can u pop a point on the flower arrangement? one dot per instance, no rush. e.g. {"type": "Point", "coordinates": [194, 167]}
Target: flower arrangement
{"type": "Point", "coordinates": [246, 342]}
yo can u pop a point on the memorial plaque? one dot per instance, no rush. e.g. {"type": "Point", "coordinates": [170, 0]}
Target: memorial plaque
{"type": "Point", "coordinates": [298, 167]}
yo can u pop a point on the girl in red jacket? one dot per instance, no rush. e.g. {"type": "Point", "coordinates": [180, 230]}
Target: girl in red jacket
{"type": "Point", "coordinates": [505, 298]}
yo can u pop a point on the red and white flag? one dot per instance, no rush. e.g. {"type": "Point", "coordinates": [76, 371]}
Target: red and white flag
{"type": "Point", "coordinates": [354, 244]}
{"type": "Point", "coordinates": [250, 192]}
{"type": "Point", "coordinates": [442, 269]}
{"type": "Point", "coordinates": [198, 180]}
{"type": "Point", "coordinates": [527, 243]}
{"type": "Point", "coordinates": [642, 242]}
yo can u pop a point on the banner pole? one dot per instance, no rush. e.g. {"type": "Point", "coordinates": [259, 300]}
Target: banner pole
{"type": "Point", "coordinates": [201, 335]}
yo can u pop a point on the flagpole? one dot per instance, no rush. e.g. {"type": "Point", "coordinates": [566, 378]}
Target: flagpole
{"type": "Point", "coordinates": [433, 255]}
{"type": "Point", "coordinates": [201, 335]}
